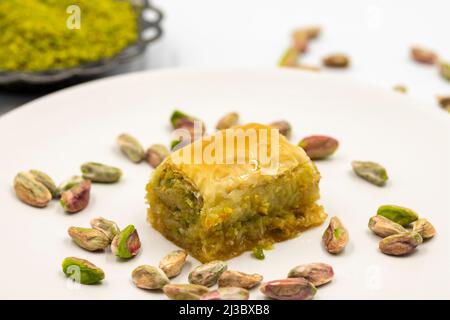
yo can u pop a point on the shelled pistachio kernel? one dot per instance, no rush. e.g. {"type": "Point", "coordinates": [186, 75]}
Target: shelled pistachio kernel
{"type": "Point", "coordinates": [70, 183]}
{"type": "Point", "coordinates": [316, 273]}
{"type": "Point", "coordinates": [227, 294]}
{"type": "Point", "coordinates": [289, 289]}
{"type": "Point", "coordinates": [108, 227]}
{"type": "Point", "coordinates": [126, 244]}
{"type": "Point", "coordinates": [337, 60]}
{"type": "Point", "coordinates": [384, 227]}
{"type": "Point", "coordinates": [423, 55]}
{"type": "Point", "coordinates": [149, 277]}
{"type": "Point", "coordinates": [283, 127]}
{"type": "Point", "coordinates": [156, 154]}
{"type": "Point", "coordinates": [319, 147]}
{"type": "Point", "coordinates": [207, 274]}
{"type": "Point", "coordinates": [444, 69]}
{"type": "Point", "coordinates": [89, 239]}
{"type": "Point", "coordinates": [131, 147]}
{"type": "Point", "coordinates": [48, 182]}
{"type": "Point", "coordinates": [335, 237]}
{"type": "Point", "coordinates": [184, 291]}
{"type": "Point", "coordinates": [400, 244]}
{"type": "Point", "coordinates": [82, 271]}
{"type": "Point", "coordinates": [77, 198]}
{"type": "Point", "coordinates": [239, 279]}
{"type": "Point", "coordinates": [444, 102]}
{"type": "Point", "coordinates": [31, 191]}
{"type": "Point", "coordinates": [173, 263]}
{"type": "Point", "coordinates": [101, 173]}
{"type": "Point", "coordinates": [227, 121]}
{"type": "Point", "coordinates": [424, 228]}
{"type": "Point", "coordinates": [371, 172]}
{"type": "Point", "coordinates": [400, 215]}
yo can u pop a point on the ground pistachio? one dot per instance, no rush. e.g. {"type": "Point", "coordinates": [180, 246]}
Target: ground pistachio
{"type": "Point", "coordinates": [46, 181]}
{"type": "Point", "coordinates": [239, 279]}
{"type": "Point", "coordinates": [337, 60]}
{"type": "Point", "coordinates": [82, 271]}
{"type": "Point", "coordinates": [400, 215]}
{"type": "Point", "coordinates": [126, 244]}
{"type": "Point", "coordinates": [89, 239]}
{"type": "Point", "coordinates": [400, 244]}
{"type": "Point", "coordinates": [227, 121]}
{"type": "Point", "coordinates": [424, 228]}
{"type": "Point", "coordinates": [31, 191]}
{"type": "Point", "coordinates": [173, 263]}
{"type": "Point", "coordinates": [371, 172]}
{"type": "Point", "coordinates": [184, 291]}
{"type": "Point", "coordinates": [384, 227]}
{"type": "Point", "coordinates": [335, 237]}
{"type": "Point", "coordinates": [207, 274]}
{"type": "Point", "coordinates": [229, 293]}
{"type": "Point", "coordinates": [289, 289]}
{"type": "Point", "coordinates": [131, 147]}
{"type": "Point", "coordinates": [108, 227]}
{"type": "Point", "coordinates": [284, 127]}
{"type": "Point", "coordinates": [149, 277]}
{"type": "Point", "coordinates": [316, 273]}
{"type": "Point", "coordinates": [77, 198]}
{"type": "Point", "coordinates": [319, 147]}
{"type": "Point", "coordinates": [156, 154]}
{"type": "Point", "coordinates": [101, 173]}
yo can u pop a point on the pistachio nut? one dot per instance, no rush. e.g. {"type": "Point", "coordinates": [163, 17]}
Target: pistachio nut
{"type": "Point", "coordinates": [173, 263]}
{"type": "Point", "coordinates": [207, 274]}
{"type": "Point", "coordinates": [176, 116]}
{"type": "Point", "coordinates": [284, 127]}
{"type": "Point", "coordinates": [70, 183]}
{"type": "Point", "coordinates": [77, 198]}
{"type": "Point", "coordinates": [444, 102]}
{"type": "Point", "coordinates": [289, 289]}
{"type": "Point", "coordinates": [289, 58]}
{"type": "Point", "coordinates": [400, 215]}
{"type": "Point", "coordinates": [335, 237]}
{"type": "Point", "coordinates": [400, 244]}
{"type": "Point", "coordinates": [227, 121]}
{"type": "Point", "coordinates": [444, 69]}
{"type": "Point", "coordinates": [300, 41]}
{"type": "Point", "coordinates": [181, 120]}
{"type": "Point", "coordinates": [31, 191]}
{"type": "Point", "coordinates": [131, 147]}
{"type": "Point", "coordinates": [337, 60]}
{"type": "Point", "coordinates": [156, 154]}
{"type": "Point", "coordinates": [184, 291]}
{"type": "Point", "coordinates": [126, 244]}
{"type": "Point", "coordinates": [424, 228]}
{"type": "Point", "coordinates": [97, 172]}
{"type": "Point", "coordinates": [319, 147]}
{"type": "Point", "coordinates": [150, 278]}
{"type": "Point", "coordinates": [229, 294]}
{"type": "Point", "coordinates": [311, 32]}
{"type": "Point", "coordinates": [108, 227]}
{"type": "Point", "coordinates": [258, 253]}
{"type": "Point", "coordinates": [371, 172]}
{"type": "Point", "coordinates": [46, 181]}
{"type": "Point", "coordinates": [239, 279]}
{"type": "Point", "coordinates": [82, 271]}
{"type": "Point", "coordinates": [384, 227]}
{"type": "Point", "coordinates": [401, 88]}
{"type": "Point", "coordinates": [316, 273]}
{"type": "Point", "coordinates": [423, 55]}
{"type": "Point", "coordinates": [89, 239]}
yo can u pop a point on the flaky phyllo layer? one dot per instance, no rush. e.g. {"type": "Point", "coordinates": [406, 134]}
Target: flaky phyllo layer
{"type": "Point", "coordinates": [219, 210]}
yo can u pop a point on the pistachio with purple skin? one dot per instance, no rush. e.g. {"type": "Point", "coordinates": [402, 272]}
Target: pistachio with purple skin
{"type": "Point", "coordinates": [289, 289]}
{"type": "Point", "coordinates": [173, 263]}
{"type": "Point", "coordinates": [284, 127]}
{"type": "Point", "coordinates": [126, 244]}
{"type": "Point", "coordinates": [77, 198]}
{"type": "Point", "coordinates": [423, 55]}
{"type": "Point", "coordinates": [229, 293]}
{"type": "Point", "coordinates": [319, 147]}
{"type": "Point", "coordinates": [149, 278]}
{"type": "Point", "coordinates": [89, 239]}
{"type": "Point", "coordinates": [424, 228]}
{"type": "Point", "coordinates": [316, 273]}
{"type": "Point", "coordinates": [239, 279]}
{"type": "Point", "coordinates": [335, 237]}
{"type": "Point", "coordinates": [207, 274]}
{"type": "Point", "coordinates": [400, 244]}
{"type": "Point", "coordinates": [184, 291]}
{"type": "Point", "coordinates": [156, 154]}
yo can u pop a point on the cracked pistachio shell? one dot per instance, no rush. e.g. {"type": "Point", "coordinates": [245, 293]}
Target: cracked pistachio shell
{"type": "Point", "coordinates": [229, 293]}
{"type": "Point", "coordinates": [82, 271]}
{"type": "Point", "coordinates": [89, 239]}
{"type": "Point", "coordinates": [149, 277]}
{"type": "Point", "coordinates": [173, 263]}
{"type": "Point", "coordinates": [384, 227]}
{"type": "Point", "coordinates": [77, 198]}
{"type": "Point", "coordinates": [126, 244]}
{"type": "Point", "coordinates": [400, 215]}
{"type": "Point", "coordinates": [239, 279]}
{"type": "Point", "coordinates": [101, 173]}
{"type": "Point", "coordinates": [108, 227]}
{"type": "Point", "coordinates": [400, 244]}
{"type": "Point", "coordinates": [31, 191]}
{"type": "Point", "coordinates": [184, 291]}
{"type": "Point", "coordinates": [131, 147]}
{"type": "Point", "coordinates": [335, 237]}
{"type": "Point", "coordinates": [316, 273]}
{"type": "Point", "coordinates": [208, 274]}
{"type": "Point", "coordinates": [46, 181]}
{"type": "Point", "coordinates": [289, 289]}
{"type": "Point", "coordinates": [424, 228]}
{"type": "Point", "coordinates": [371, 172]}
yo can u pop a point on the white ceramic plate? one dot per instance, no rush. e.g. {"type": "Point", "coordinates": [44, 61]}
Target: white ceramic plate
{"type": "Point", "coordinates": [59, 132]}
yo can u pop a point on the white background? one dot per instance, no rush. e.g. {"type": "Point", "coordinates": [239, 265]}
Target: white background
{"type": "Point", "coordinates": [377, 34]}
